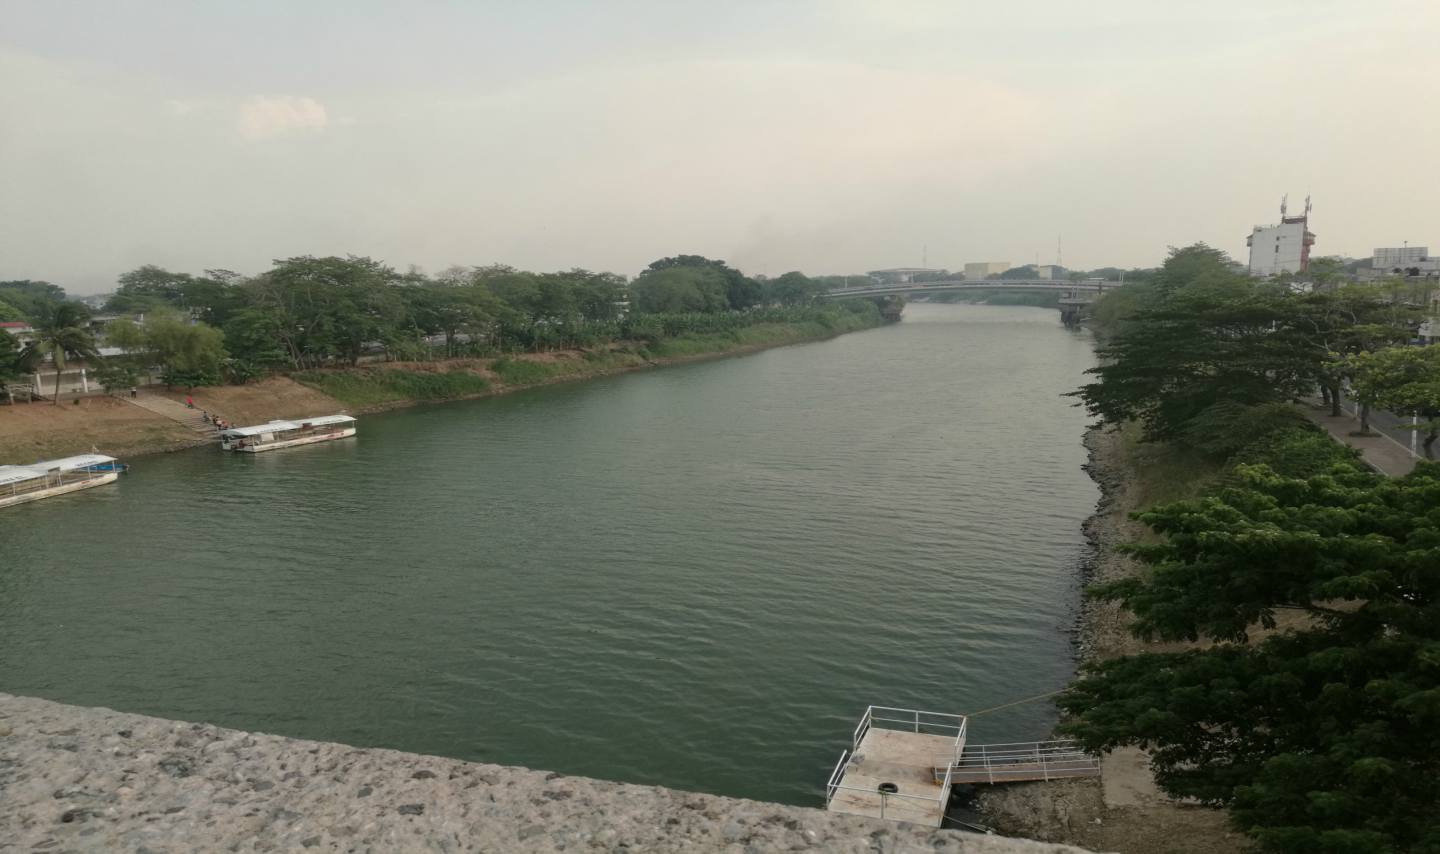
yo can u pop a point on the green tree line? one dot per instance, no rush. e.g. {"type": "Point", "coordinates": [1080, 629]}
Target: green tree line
{"type": "Point", "coordinates": [308, 312]}
{"type": "Point", "coordinates": [1323, 736]}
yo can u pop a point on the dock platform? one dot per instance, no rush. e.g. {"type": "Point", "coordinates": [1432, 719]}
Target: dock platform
{"type": "Point", "coordinates": [891, 768]}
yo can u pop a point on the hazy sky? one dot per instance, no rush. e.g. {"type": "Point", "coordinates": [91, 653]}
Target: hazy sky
{"type": "Point", "coordinates": [828, 136]}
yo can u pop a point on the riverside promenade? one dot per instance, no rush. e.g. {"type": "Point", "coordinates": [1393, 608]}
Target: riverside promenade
{"type": "Point", "coordinates": [1382, 451]}
{"type": "Point", "coordinates": [88, 779]}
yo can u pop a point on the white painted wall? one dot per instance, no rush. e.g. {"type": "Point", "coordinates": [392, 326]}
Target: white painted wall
{"type": "Point", "coordinates": [1276, 248]}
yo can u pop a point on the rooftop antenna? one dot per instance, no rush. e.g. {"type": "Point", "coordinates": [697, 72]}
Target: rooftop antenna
{"type": "Point", "coordinates": [1059, 251]}
{"type": "Point", "coordinates": [1283, 199]}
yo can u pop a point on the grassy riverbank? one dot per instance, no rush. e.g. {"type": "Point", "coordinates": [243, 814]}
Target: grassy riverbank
{"type": "Point", "coordinates": [373, 388]}
{"type": "Point", "coordinates": [40, 431]}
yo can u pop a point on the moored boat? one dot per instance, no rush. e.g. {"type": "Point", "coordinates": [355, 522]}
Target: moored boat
{"type": "Point", "coordinates": [286, 434]}
{"type": "Point", "coordinates": [48, 478]}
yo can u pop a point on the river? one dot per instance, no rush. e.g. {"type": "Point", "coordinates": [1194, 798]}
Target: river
{"type": "Point", "coordinates": [695, 577]}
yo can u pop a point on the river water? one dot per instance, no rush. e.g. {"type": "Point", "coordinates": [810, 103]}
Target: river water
{"type": "Point", "coordinates": [696, 577]}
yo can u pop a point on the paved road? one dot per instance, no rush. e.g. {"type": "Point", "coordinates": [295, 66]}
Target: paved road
{"type": "Point", "coordinates": [1391, 425]}
{"type": "Point", "coordinates": [1388, 451]}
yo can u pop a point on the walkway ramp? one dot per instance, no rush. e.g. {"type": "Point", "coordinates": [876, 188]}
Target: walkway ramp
{"type": "Point", "coordinates": [1020, 761]}
{"type": "Point", "coordinates": [889, 772]}
{"type": "Point", "coordinates": [174, 410]}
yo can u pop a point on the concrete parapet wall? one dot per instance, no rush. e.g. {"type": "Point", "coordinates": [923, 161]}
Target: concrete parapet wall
{"type": "Point", "coordinates": [86, 779]}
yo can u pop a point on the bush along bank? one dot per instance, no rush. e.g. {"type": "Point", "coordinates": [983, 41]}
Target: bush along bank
{"type": "Point", "coordinates": [670, 340]}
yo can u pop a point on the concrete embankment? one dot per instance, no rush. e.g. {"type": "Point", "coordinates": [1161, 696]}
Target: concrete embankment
{"type": "Point", "coordinates": [87, 779]}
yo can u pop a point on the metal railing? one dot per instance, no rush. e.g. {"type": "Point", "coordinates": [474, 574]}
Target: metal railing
{"type": "Point", "coordinates": [834, 788]}
{"type": "Point", "coordinates": [914, 720]}
{"type": "Point", "coordinates": [1026, 760]}
{"type": "Point", "coordinates": [905, 720]}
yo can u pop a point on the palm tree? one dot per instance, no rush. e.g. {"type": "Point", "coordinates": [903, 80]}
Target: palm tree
{"type": "Point", "coordinates": [62, 334]}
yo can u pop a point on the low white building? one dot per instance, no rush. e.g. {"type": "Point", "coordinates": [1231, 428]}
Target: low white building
{"type": "Point", "coordinates": [985, 269]}
{"type": "Point", "coordinates": [1282, 248]}
{"type": "Point", "coordinates": [1404, 261]}
{"type": "Point", "coordinates": [22, 332]}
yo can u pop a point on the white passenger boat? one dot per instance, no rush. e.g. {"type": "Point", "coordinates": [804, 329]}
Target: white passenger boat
{"type": "Point", "coordinates": [287, 434]}
{"type": "Point", "coordinates": [19, 484]}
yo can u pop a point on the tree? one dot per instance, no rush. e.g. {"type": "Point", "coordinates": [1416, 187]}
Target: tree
{"type": "Point", "coordinates": [115, 375]}
{"type": "Point", "coordinates": [32, 298]}
{"type": "Point", "coordinates": [11, 365]}
{"type": "Point", "coordinates": [677, 289]}
{"type": "Point", "coordinates": [252, 338]}
{"type": "Point", "coordinates": [148, 288]}
{"type": "Point", "coordinates": [741, 292]}
{"type": "Point", "coordinates": [62, 334]}
{"type": "Point", "coordinates": [1343, 321]}
{"type": "Point", "coordinates": [9, 312]}
{"type": "Point", "coordinates": [793, 288]}
{"type": "Point", "coordinates": [1324, 738]}
{"type": "Point", "coordinates": [1402, 380]}
{"type": "Point", "coordinates": [1204, 336]}
{"type": "Point", "coordinates": [329, 308]}
{"type": "Point", "coordinates": [190, 353]}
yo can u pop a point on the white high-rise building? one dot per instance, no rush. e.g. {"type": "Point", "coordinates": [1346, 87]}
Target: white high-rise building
{"type": "Point", "coordinates": [1283, 248]}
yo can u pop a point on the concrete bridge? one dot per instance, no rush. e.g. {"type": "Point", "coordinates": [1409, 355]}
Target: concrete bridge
{"type": "Point", "coordinates": [959, 285]}
{"type": "Point", "coordinates": [1073, 295]}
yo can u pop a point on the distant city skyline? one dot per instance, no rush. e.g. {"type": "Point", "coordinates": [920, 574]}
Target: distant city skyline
{"type": "Point", "coordinates": [830, 137]}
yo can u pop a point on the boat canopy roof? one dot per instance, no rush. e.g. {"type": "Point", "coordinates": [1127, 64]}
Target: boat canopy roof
{"type": "Point", "coordinates": [84, 461]}
{"type": "Point", "coordinates": [18, 474]}
{"type": "Point", "coordinates": [281, 426]}
{"type": "Point", "coordinates": [324, 420]}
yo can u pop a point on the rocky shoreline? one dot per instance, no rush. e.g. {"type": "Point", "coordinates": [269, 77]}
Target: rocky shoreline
{"type": "Point", "coordinates": [1122, 811]}
{"type": "Point", "coordinates": [85, 779]}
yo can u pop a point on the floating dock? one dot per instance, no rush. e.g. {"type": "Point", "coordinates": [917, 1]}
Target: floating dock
{"type": "Point", "coordinates": [890, 769]}
{"type": "Point", "coordinates": [902, 764]}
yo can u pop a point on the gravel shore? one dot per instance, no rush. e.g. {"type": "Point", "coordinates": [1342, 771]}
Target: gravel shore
{"type": "Point", "coordinates": [1122, 811]}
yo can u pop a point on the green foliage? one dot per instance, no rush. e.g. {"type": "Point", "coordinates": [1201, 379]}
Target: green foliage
{"type": "Point", "coordinates": [1302, 452]}
{"type": "Point", "coordinates": [117, 375]}
{"type": "Point", "coordinates": [1317, 737]}
{"type": "Point", "coordinates": [1226, 427]}
{"type": "Point", "coordinates": [793, 288]}
{"type": "Point", "coordinates": [1200, 339]}
{"type": "Point", "coordinates": [1401, 379]}
{"type": "Point", "coordinates": [738, 291]}
{"type": "Point", "coordinates": [370, 387]}
{"type": "Point", "coordinates": [1320, 736]}
{"type": "Point", "coordinates": [13, 362]}
{"type": "Point", "coordinates": [31, 298]}
{"type": "Point", "coordinates": [61, 333]}
{"type": "Point", "coordinates": [189, 354]}
{"type": "Point", "coordinates": [674, 290]}
{"type": "Point", "coordinates": [9, 312]}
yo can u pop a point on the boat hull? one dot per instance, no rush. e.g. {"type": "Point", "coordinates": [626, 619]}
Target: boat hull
{"type": "Point", "coordinates": [291, 443]}
{"type": "Point", "coordinates": [99, 479]}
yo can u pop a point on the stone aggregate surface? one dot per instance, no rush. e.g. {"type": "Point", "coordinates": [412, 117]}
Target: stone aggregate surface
{"type": "Point", "coordinates": [91, 779]}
